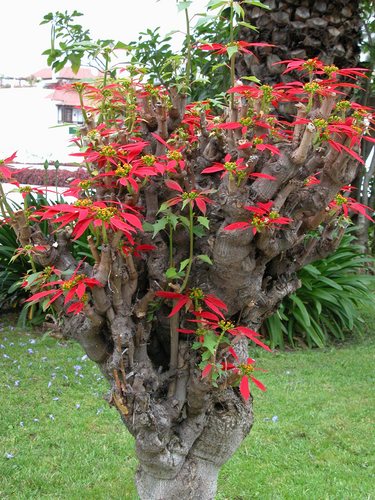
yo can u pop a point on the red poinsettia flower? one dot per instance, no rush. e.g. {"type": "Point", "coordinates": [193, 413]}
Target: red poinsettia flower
{"type": "Point", "coordinates": [208, 320]}
{"type": "Point", "coordinates": [235, 168]}
{"type": "Point", "coordinates": [315, 66]}
{"type": "Point", "coordinates": [130, 174]}
{"type": "Point", "coordinates": [137, 250]}
{"type": "Point", "coordinates": [74, 287]}
{"type": "Point", "coordinates": [192, 198]}
{"type": "Point", "coordinates": [111, 153]}
{"type": "Point", "coordinates": [263, 217]}
{"type": "Point", "coordinates": [345, 204]}
{"type": "Point", "coordinates": [241, 46]}
{"type": "Point", "coordinates": [5, 172]}
{"type": "Point", "coordinates": [192, 300]}
{"type": "Point", "coordinates": [84, 212]}
{"type": "Point", "coordinates": [174, 157]}
{"type": "Point", "coordinates": [258, 143]}
{"type": "Point", "coordinates": [244, 371]}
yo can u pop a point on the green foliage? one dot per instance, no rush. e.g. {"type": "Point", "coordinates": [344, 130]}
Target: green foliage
{"type": "Point", "coordinates": [15, 268]}
{"type": "Point", "coordinates": [327, 304]}
{"type": "Point", "coordinates": [11, 293]}
{"type": "Point", "coordinates": [71, 44]}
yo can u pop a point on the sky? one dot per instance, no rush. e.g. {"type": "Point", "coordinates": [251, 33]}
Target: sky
{"type": "Point", "coordinates": [22, 39]}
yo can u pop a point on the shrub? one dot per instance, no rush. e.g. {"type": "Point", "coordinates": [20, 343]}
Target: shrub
{"type": "Point", "coordinates": [327, 306]}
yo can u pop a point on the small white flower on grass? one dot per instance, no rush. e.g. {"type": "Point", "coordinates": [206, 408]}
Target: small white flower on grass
{"type": "Point", "coordinates": [2, 346]}
{"type": "Point", "coordinates": [17, 383]}
{"type": "Point", "coordinates": [22, 424]}
{"type": "Point", "coordinates": [6, 356]}
{"type": "Point", "coordinates": [30, 351]}
{"type": "Point", "coordinates": [84, 357]}
{"type": "Point", "coordinates": [275, 419]}
{"type": "Point", "coordinates": [36, 419]}
{"type": "Point", "coordinates": [51, 416]}
{"type": "Point", "coordinates": [55, 399]}
{"type": "Point", "coordinates": [49, 384]}
{"type": "Point", "coordinates": [9, 455]}
{"type": "Point", "coordinates": [78, 406]}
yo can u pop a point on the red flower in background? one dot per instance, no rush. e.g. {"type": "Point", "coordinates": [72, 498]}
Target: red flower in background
{"type": "Point", "coordinates": [345, 204]}
{"type": "Point", "coordinates": [263, 217]}
{"type": "Point", "coordinates": [244, 371]}
{"type": "Point", "coordinates": [212, 322]}
{"type": "Point", "coordinates": [111, 215]}
{"type": "Point", "coordinates": [192, 198]}
{"type": "Point", "coordinates": [192, 300]}
{"type": "Point", "coordinates": [5, 172]}
{"type": "Point", "coordinates": [74, 287]}
{"type": "Point", "coordinates": [242, 47]}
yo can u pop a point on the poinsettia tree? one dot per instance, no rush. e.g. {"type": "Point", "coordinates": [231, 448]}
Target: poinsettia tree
{"type": "Point", "coordinates": [197, 224]}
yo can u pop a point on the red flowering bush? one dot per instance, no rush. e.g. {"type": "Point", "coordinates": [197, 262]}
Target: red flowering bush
{"type": "Point", "coordinates": [196, 224]}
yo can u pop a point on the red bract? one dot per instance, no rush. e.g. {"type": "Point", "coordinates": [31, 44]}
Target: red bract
{"type": "Point", "coordinates": [244, 370]}
{"type": "Point", "coordinates": [129, 175]}
{"type": "Point", "coordinates": [74, 287]}
{"type": "Point", "coordinates": [173, 158]}
{"type": "Point", "coordinates": [137, 250]}
{"type": "Point", "coordinates": [191, 198]}
{"type": "Point", "coordinates": [242, 47]}
{"type": "Point", "coordinates": [258, 143]}
{"type": "Point", "coordinates": [265, 93]}
{"type": "Point", "coordinates": [192, 300]}
{"type": "Point", "coordinates": [346, 204]}
{"type": "Point", "coordinates": [263, 217]}
{"type": "Point", "coordinates": [234, 168]}
{"type": "Point", "coordinates": [213, 322]}
{"type": "Point", "coordinates": [85, 212]}
{"type": "Point", "coordinates": [6, 173]}
{"type": "Point", "coordinates": [317, 67]}
{"type": "Point", "coordinates": [112, 153]}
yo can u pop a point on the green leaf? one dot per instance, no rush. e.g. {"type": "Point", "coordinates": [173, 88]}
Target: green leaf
{"type": "Point", "coordinates": [199, 231]}
{"type": "Point", "coordinates": [238, 10]}
{"type": "Point", "coordinates": [256, 3]}
{"type": "Point", "coordinates": [183, 264]}
{"type": "Point", "coordinates": [171, 273]}
{"type": "Point", "coordinates": [232, 50]}
{"type": "Point", "coordinates": [205, 258]}
{"type": "Point", "coordinates": [159, 225]}
{"type": "Point", "coordinates": [121, 46]}
{"type": "Point", "coordinates": [206, 355]}
{"type": "Point", "coordinates": [330, 282]}
{"type": "Point", "coordinates": [173, 220]}
{"type": "Point", "coordinates": [248, 25]}
{"type": "Point", "coordinates": [204, 221]}
{"type": "Point", "coordinates": [183, 5]}
{"type": "Point", "coordinates": [75, 62]}
{"type": "Point", "coordinates": [251, 79]}
{"type": "Point", "coordinates": [210, 341]}
{"type": "Point", "coordinates": [301, 306]}
{"type": "Point", "coordinates": [214, 4]}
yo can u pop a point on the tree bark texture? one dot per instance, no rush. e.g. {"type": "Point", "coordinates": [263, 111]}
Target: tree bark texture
{"type": "Point", "coordinates": [303, 29]}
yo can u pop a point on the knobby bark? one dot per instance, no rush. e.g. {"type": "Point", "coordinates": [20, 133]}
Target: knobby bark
{"type": "Point", "coordinates": [303, 29]}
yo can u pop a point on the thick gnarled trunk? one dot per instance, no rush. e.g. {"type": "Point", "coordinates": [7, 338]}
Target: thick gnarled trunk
{"type": "Point", "coordinates": [174, 475]}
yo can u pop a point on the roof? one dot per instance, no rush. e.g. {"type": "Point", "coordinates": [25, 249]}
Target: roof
{"type": "Point", "coordinates": [65, 97]}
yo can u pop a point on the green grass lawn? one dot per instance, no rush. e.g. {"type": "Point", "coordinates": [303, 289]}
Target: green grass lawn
{"type": "Point", "coordinates": [312, 439]}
